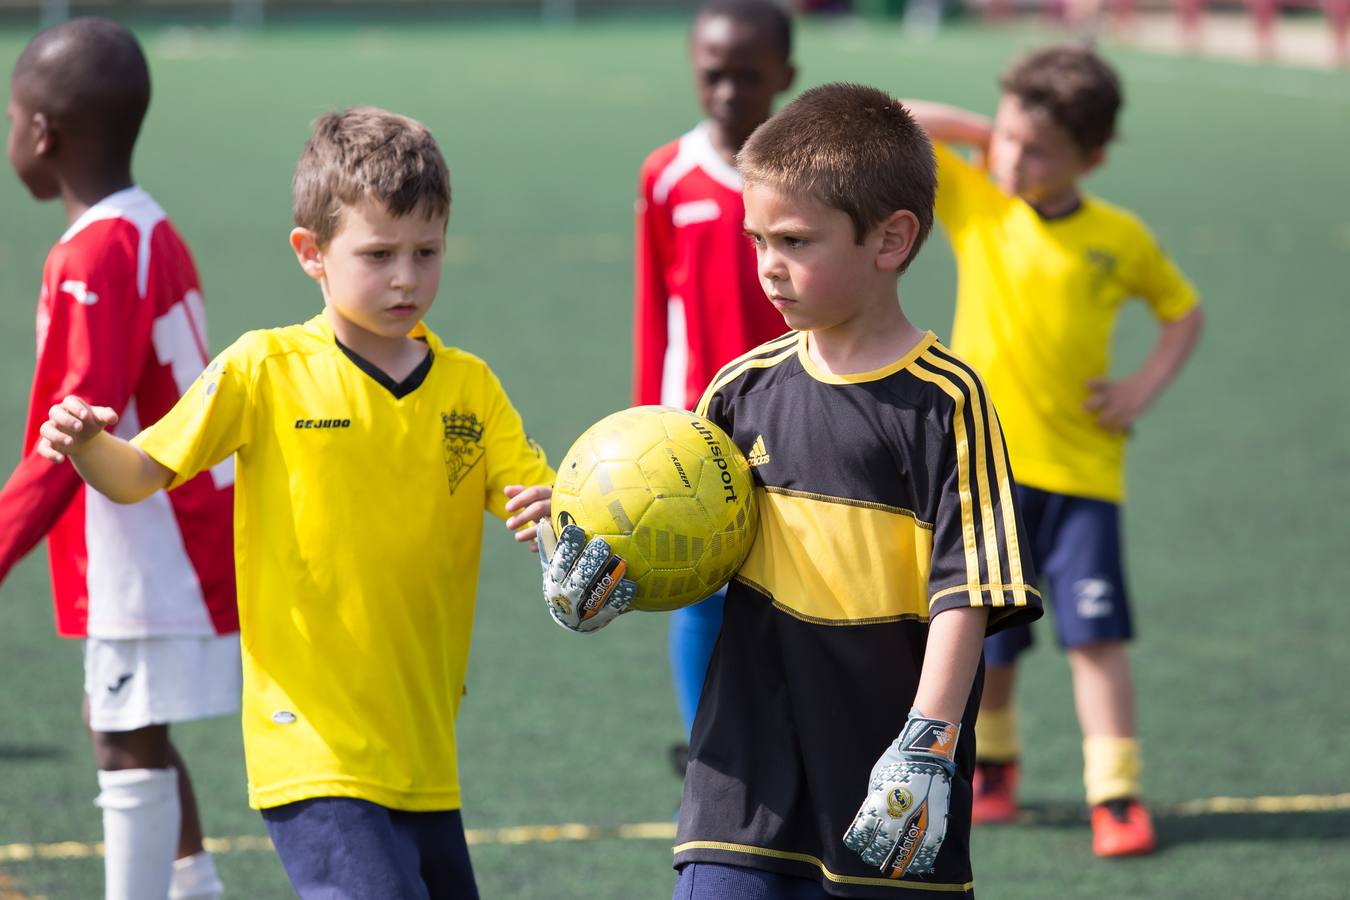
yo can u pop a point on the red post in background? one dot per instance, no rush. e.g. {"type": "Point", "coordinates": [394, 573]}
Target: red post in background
{"type": "Point", "coordinates": [1263, 17]}
{"type": "Point", "coordinates": [1338, 18]}
{"type": "Point", "coordinates": [1191, 13]}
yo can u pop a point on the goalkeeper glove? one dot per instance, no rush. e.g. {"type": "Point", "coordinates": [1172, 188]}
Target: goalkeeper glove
{"type": "Point", "coordinates": [902, 822]}
{"type": "Point", "coordinates": [583, 581]}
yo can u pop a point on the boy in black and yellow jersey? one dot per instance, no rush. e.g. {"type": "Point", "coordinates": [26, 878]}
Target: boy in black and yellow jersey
{"type": "Point", "coordinates": [889, 542]}
{"type": "Point", "coordinates": [366, 452]}
{"type": "Point", "coordinates": [1043, 271]}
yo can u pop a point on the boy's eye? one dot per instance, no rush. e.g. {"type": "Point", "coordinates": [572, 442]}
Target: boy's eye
{"type": "Point", "coordinates": [429, 252]}
{"type": "Point", "coordinates": [378, 254]}
{"type": "Point", "coordinates": [794, 243]}
{"type": "Point", "coordinates": [755, 239]}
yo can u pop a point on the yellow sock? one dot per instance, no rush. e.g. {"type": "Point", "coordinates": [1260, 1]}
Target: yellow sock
{"type": "Point", "coordinates": [1112, 767]}
{"type": "Point", "coordinates": [996, 735]}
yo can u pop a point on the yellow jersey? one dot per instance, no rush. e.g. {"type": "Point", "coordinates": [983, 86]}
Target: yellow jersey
{"type": "Point", "coordinates": [358, 525]}
{"type": "Point", "coordinates": [1036, 304]}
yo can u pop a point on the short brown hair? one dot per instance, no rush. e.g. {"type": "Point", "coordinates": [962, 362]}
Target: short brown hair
{"type": "Point", "coordinates": [853, 148]}
{"type": "Point", "coordinates": [1074, 87]}
{"type": "Point", "coordinates": [365, 152]}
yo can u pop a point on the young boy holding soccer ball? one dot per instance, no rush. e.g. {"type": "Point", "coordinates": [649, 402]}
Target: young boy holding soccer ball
{"type": "Point", "coordinates": [888, 542]}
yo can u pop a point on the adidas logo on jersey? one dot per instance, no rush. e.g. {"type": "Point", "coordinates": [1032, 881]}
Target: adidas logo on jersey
{"type": "Point", "coordinates": [758, 455]}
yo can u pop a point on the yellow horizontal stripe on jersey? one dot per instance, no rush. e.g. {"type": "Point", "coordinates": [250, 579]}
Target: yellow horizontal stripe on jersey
{"type": "Point", "coordinates": [1016, 589]}
{"type": "Point", "coordinates": [738, 368]}
{"type": "Point", "coordinates": [837, 561]}
{"type": "Point", "coordinates": [832, 876]}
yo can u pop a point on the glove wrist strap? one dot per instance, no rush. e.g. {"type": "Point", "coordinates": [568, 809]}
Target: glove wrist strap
{"type": "Point", "coordinates": [934, 738]}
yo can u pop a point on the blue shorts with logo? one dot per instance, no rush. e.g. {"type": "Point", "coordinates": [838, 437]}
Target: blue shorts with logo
{"type": "Point", "coordinates": [342, 848]}
{"type": "Point", "coordinates": [1076, 546]}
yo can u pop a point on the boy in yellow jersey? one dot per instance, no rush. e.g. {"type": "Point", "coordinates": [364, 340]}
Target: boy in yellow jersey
{"type": "Point", "coordinates": [888, 542]}
{"type": "Point", "coordinates": [366, 452]}
{"type": "Point", "coordinates": [1043, 271]}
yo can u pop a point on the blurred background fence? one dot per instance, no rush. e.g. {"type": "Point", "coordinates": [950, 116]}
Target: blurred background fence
{"type": "Point", "coordinates": [1308, 31]}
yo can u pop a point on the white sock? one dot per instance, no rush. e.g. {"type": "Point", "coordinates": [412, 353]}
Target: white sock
{"type": "Point", "coordinates": [141, 817]}
{"type": "Point", "coordinates": [195, 878]}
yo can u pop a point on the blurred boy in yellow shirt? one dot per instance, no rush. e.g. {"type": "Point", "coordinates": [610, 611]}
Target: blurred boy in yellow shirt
{"type": "Point", "coordinates": [1043, 270]}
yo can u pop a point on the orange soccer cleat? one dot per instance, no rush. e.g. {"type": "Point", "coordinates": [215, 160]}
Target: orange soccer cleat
{"type": "Point", "coordinates": [1122, 828]}
{"type": "Point", "coordinates": [995, 788]}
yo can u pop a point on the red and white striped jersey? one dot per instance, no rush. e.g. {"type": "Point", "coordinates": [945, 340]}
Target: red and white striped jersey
{"type": "Point", "coordinates": [698, 301]}
{"type": "Point", "coordinates": [120, 323]}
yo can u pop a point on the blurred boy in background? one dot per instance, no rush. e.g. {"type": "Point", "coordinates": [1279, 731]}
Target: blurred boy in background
{"type": "Point", "coordinates": [1043, 270]}
{"type": "Point", "coordinates": [150, 587]}
{"type": "Point", "coordinates": [697, 299]}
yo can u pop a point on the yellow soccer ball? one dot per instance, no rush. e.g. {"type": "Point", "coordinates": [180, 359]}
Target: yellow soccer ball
{"type": "Point", "coordinates": [670, 493]}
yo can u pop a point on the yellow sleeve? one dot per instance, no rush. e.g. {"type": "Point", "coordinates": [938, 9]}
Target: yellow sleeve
{"type": "Point", "coordinates": [1154, 277]}
{"type": "Point", "coordinates": [513, 457]}
{"type": "Point", "coordinates": [960, 185]}
{"type": "Point", "coordinates": [209, 423]}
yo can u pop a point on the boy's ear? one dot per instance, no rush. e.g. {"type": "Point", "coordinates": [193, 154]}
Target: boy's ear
{"type": "Point", "coordinates": [898, 231]}
{"type": "Point", "coordinates": [1093, 159]}
{"type": "Point", "coordinates": [789, 76]}
{"type": "Point", "coordinates": [307, 252]}
{"type": "Point", "coordinates": [43, 135]}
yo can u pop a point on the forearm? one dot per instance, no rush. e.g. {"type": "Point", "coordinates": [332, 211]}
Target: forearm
{"type": "Point", "coordinates": [951, 124]}
{"type": "Point", "coordinates": [1176, 341]}
{"type": "Point", "coordinates": [31, 502]}
{"type": "Point", "coordinates": [119, 470]}
{"type": "Point", "coordinates": [951, 657]}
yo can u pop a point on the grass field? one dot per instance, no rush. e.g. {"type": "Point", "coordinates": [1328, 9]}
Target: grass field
{"type": "Point", "coordinates": [1240, 477]}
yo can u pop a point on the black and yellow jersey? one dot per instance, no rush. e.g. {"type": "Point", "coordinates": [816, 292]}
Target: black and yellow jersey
{"type": "Point", "coordinates": [358, 529]}
{"type": "Point", "coordinates": [884, 499]}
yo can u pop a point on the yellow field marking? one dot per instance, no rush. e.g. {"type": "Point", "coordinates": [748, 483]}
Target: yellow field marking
{"type": "Point", "coordinates": [656, 831]}
{"type": "Point", "coordinates": [1297, 804]}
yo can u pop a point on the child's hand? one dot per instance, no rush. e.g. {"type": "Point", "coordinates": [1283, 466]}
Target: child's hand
{"type": "Point", "coordinates": [584, 585]}
{"type": "Point", "coordinates": [70, 426]}
{"type": "Point", "coordinates": [1118, 403]}
{"type": "Point", "coordinates": [530, 504]}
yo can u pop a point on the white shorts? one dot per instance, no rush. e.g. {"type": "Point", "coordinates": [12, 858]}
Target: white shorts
{"type": "Point", "coordinates": [155, 681]}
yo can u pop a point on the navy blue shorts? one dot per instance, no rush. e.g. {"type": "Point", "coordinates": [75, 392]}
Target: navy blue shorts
{"type": "Point", "coordinates": [341, 848]}
{"type": "Point", "coordinates": [714, 881]}
{"type": "Point", "coordinates": [1077, 550]}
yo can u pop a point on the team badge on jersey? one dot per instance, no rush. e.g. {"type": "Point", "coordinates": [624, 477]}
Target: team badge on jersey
{"type": "Point", "coordinates": [462, 444]}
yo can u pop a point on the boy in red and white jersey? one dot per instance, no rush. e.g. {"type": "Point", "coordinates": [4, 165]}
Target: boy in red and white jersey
{"type": "Point", "coordinates": [698, 303]}
{"type": "Point", "coordinates": [697, 299]}
{"type": "Point", "coordinates": [150, 587]}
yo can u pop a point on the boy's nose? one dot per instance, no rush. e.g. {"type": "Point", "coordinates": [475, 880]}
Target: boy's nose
{"type": "Point", "coordinates": [404, 278]}
{"type": "Point", "coordinates": [770, 266]}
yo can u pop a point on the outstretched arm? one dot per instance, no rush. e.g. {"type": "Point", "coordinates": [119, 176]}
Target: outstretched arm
{"type": "Point", "coordinates": [115, 468]}
{"type": "Point", "coordinates": [951, 124]}
{"type": "Point", "coordinates": [1119, 403]}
